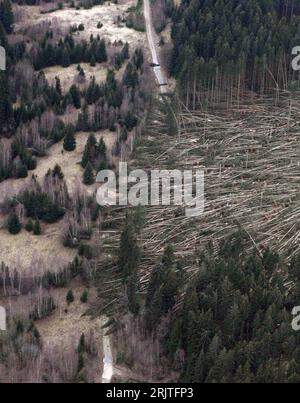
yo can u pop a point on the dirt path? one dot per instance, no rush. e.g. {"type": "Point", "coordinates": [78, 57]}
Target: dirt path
{"type": "Point", "coordinates": [161, 79]}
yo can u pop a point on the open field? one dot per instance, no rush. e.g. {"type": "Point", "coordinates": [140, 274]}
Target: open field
{"type": "Point", "coordinates": [67, 75]}
{"type": "Point", "coordinates": [108, 14]}
{"type": "Point", "coordinates": [65, 326]}
{"type": "Point", "coordinates": [26, 252]}
{"type": "Point", "coordinates": [62, 329]}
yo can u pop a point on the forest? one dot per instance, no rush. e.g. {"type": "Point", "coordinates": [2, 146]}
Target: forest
{"type": "Point", "coordinates": [221, 45]}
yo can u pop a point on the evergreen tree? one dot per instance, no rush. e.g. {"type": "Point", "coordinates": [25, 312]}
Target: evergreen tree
{"type": "Point", "coordinates": [131, 78]}
{"type": "Point", "coordinates": [88, 175]}
{"type": "Point", "coordinates": [102, 158]}
{"type": "Point", "coordinates": [69, 140]}
{"type": "Point", "coordinates": [70, 297]}
{"type": "Point", "coordinates": [84, 297]}
{"type": "Point", "coordinates": [93, 61]}
{"type": "Point", "coordinates": [6, 111]}
{"type": "Point", "coordinates": [75, 94]}
{"type": "Point", "coordinates": [81, 345]}
{"type": "Point", "coordinates": [37, 228]}
{"type": "Point", "coordinates": [14, 225]}
{"type": "Point", "coordinates": [3, 38]}
{"type": "Point", "coordinates": [129, 251]}
{"type": "Point", "coordinates": [65, 61]}
{"type": "Point", "coordinates": [6, 15]}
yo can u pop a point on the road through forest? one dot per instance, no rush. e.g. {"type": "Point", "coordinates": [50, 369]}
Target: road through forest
{"type": "Point", "coordinates": [161, 80]}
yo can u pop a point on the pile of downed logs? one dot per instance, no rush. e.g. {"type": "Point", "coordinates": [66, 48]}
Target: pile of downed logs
{"type": "Point", "coordinates": [251, 160]}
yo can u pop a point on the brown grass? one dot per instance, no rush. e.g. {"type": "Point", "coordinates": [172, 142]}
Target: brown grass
{"type": "Point", "coordinates": [19, 251]}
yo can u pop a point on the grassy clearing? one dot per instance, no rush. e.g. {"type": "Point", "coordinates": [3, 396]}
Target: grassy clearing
{"type": "Point", "coordinates": [109, 14]}
{"type": "Point", "coordinates": [26, 251]}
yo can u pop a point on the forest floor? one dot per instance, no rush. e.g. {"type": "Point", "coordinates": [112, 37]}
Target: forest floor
{"type": "Point", "coordinates": [26, 252]}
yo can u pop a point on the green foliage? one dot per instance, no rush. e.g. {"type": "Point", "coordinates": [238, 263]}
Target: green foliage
{"type": "Point", "coordinates": [29, 225]}
{"type": "Point", "coordinates": [135, 18]}
{"type": "Point", "coordinates": [39, 205]}
{"type": "Point", "coordinates": [235, 322]}
{"type": "Point", "coordinates": [13, 223]}
{"type": "Point", "coordinates": [86, 251]}
{"type": "Point", "coordinates": [69, 140]}
{"type": "Point", "coordinates": [131, 78]}
{"type": "Point", "coordinates": [6, 15]}
{"type": "Point", "coordinates": [84, 297]}
{"type": "Point", "coordinates": [37, 228]}
{"type": "Point", "coordinates": [81, 345]}
{"type": "Point", "coordinates": [75, 96]}
{"type": "Point", "coordinates": [70, 297]}
{"type": "Point", "coordinates": [88, 175]}
{"type": "Point", "coordinates": [163, 289]}
{"type": "Point", "coordinates": [6, 112]}
{"type": "Point", "coordinates": [129, 257]}
{"type": "Point", "coordinates": [57, 172]}
{"type": "Point", "coordinates": [232, 38]}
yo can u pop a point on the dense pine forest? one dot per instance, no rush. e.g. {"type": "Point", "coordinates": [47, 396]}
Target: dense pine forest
{"type": "Point", "coordinates": [233, 324]}
{"type": "Point", "coordinates": [229, 47]}
{"type": "Point", "coordinates": [235, 321]}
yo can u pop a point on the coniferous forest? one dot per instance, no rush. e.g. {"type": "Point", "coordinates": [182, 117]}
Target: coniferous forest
{"type": "Point", "coordinates": [233, 46]}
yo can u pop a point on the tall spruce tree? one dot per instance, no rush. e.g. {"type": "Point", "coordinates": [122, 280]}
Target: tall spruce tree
{"type": "Point", "coordinates": [69, 140]}
{"type": "Point", "coordinates": [88, 175]}
{"type": "Point", "coordinates": [7, 122]}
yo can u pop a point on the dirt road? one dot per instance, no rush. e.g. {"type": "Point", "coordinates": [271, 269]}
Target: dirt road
{"type": "Point", "coordinates": [161, 80]}
{"type": "Point", "coordinates": [108, 365]}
